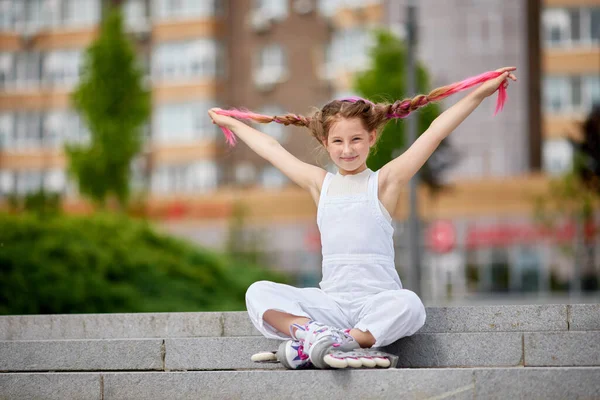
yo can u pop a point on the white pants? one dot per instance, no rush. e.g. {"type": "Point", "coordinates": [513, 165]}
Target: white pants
{"type": "Point", "coordinates": [388, 315]}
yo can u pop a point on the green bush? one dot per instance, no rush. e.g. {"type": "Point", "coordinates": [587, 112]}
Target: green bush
{"type": "Point", "coordinates": [105, 263]}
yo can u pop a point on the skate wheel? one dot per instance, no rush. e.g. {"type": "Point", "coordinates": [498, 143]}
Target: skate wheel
{"type": "Point", "coordinates": [382, 362]}
{"type": "Point", "coordinates": [335, 362]}
{"type": "Point", "coordinates": [353, 362]}
{"type": "Point", "coordinates": [264, 356]}
{"type": "Point", "coordinates": [368, 362]}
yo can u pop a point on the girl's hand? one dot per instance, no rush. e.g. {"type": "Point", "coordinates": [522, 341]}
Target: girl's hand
{"type": "Point", "coordinates": [221, 120]}
{"type": "Point", "coordinates": [488, 88]}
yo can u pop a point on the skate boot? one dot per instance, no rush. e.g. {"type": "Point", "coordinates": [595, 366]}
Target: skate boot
{"type": "Point", "coordinates": [290, 354]}
{"type": "Point", "coordinates": [320, 341]}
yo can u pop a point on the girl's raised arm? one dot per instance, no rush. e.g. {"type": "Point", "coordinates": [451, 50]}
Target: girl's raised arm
{"type": "Point", "coordinates": [305, 175]}
{"type": "Point", "coordinates": [396, 173]}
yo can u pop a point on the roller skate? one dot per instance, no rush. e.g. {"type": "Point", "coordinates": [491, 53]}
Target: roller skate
{"type": "Point", "coordinates": [322, 346]}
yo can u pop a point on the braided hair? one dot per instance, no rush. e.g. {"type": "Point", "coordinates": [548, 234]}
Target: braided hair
{"type": "Point", "coordinates": [374, 116]}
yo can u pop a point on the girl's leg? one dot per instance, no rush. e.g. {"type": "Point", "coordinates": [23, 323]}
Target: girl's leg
{"type": "Point", "coordinates": [365, 339]}
{"type": "Point", "coordinates": [283, 321]}
{"type": "Point", "coordinates": [390, 315]}
{"type": "Point", "coordinates": [274, 307]}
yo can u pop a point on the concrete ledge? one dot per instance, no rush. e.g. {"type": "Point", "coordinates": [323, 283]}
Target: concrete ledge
{"type": "Point", "coordinates": [584, 317]}
{"type": "Point", "coordinates": [217, 353]}
{"type": "Point", "coordinates": [476, 383]}
{"type": "Point", "coordinates": [562, 349]}
{"type": "Point", "coordinates": [522, 318]}
{"type": "Point", "coordinates": [51, 386]}
{"type": "Point", "coordinates": [497, 349]}
{"type": "Point", "coordinates": [81, 355]}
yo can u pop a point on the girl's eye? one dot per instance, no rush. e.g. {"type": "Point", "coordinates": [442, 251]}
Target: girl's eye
{"type": "Point", "coordinates": [356, 138]}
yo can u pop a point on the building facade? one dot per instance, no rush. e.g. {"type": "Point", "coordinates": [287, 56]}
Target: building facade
{"type": "Point", "coordinates": [277, 56]}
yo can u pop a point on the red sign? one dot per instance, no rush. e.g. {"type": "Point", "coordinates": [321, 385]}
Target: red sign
{"type": "Point", "coordinates": [441, 236]}
{"type": "Point", "coordinates": [509, 234]}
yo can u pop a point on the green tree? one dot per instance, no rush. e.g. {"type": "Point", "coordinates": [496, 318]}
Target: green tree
{"type": "Point", "coordinates": [386, 81]}
{"type": "Point", "coordinates": [114, 104]}
{"type": "Point", "coordinates": [110, 263]}
{"type": "Point", "coordinates": [575, 195]}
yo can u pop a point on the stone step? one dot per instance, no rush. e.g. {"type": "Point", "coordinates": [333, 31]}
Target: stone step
{"type": "Point", "coordinates": [422, 350]}
{"type": "Point", "coordinates": [521, 318]}
{"type": "Point", "coordinates": [448, 383]}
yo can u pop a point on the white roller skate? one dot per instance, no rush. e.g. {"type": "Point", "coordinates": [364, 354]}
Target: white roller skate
{"type": "Point", "coordinates": [322, 346]}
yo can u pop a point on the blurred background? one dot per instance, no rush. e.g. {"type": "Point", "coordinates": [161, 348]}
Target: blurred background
{"type": "Point", "coordinates": [118, 194]}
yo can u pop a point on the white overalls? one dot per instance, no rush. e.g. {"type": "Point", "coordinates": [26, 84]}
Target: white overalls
{"type": "Point", "coordinates": [360, 287]}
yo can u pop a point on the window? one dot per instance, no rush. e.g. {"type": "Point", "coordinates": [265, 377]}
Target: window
{"type": "Point", "coordinates": [591, 91]}
{"type": "Point", "coordinates": [571, 94]}
{"type": "Point", "coordinates": [135, 12]}
{"type": "Point", "coordinates": [571, 26]}
{"type": "Point", "coordinates": [41, 14]}
{"type": "Point", "coordinates": [28, 130]}
{"type": "Point", "coordinates": [275, 9]}
{"type": "Point", "coordinates": [28, 181]}
{"type": "Point", "coordinates": [271, 57]}
{"type": "Point", "coordinates": [54, 129]}
{"type": "Point", "coordinates": [271, 65]}
{"type": "Point", "coordinates": [557, 156]}
{"type": "Point", "coordinates": [6, 69]}
{"type": "Point", "coordinates": [183, 122]}
{"type": "Point", "coordinates": [556, 94]}
{"type": "Point", "coordinates": [6, 129]}
{"type": "Point", "coordinates": [349, 50]}
{"type": "Point", "coordinates": [181, 9]}
{"type": "Point", "coordinates": [62, 67]}
{"type": "Point", "coordinates": [184, 60]}
{"type": "Point", "coordinates": [81, 12]}
{"type": "Point", "coordinates": [7, 182]}
{"type": "Point", "coordinates": [595, 25]}
{"type": "Point", "coordinates": [55, 180]}
{"type": "Point", "coordinates": [27, 70]}
{"type": "Point", "coordinates": [7, 20]}
{"type": "Point", "coordinates": [200, 176]}
{"type": "Point", "coordinates": [245, 173]}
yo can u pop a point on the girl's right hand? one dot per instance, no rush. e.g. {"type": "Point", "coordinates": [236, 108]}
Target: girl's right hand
{"type": "Point", "coordinates": [221, 120]}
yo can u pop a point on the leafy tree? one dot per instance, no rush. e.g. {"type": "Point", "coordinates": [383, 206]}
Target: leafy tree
{"type": "Point", "coordinates": [576, 196]}
{"type": "Point", "coordinates": [386, 81]}
{"type": "Point", "coordinates": [114, 104]}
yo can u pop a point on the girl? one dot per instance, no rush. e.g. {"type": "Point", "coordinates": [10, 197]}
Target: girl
{"type": "Point", "coordinates": [361, 302]}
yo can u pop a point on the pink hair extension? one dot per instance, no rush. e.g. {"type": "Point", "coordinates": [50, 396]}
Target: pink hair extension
{"type": "Point", "coordinates": [445, 91]}
{"type": "Point", "coordinates": [240, 114]}
{"type": "Point", "coordinates": [251, 116]}
{"type": "Point", "coordinates": [404, 107]}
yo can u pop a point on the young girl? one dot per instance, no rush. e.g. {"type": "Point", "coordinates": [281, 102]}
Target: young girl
{"type": "Point", "coordinates": [361, 302]}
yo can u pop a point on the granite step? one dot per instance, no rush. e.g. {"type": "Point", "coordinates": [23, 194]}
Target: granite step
{"type": "Point", "coordinates": [514, 318]}
{"type": "Point", "coordinates": [422, 350]}
{"type": "Point", "coordinates": [447, 383]}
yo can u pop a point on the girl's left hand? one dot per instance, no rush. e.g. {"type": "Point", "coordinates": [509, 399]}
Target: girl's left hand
{"type": "Point", "coordinates": [488, 88]}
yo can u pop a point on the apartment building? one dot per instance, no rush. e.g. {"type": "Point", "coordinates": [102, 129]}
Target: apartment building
{"type": "Point", "coordinates": [181, 49]}
{"type": "Point", "coordinates": [277, 56]}
{"type": "Point", "coordinates": [571, 75]}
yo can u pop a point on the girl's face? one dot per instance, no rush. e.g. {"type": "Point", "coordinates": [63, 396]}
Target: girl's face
{"type": "Point", "coordinates": [348, 145]}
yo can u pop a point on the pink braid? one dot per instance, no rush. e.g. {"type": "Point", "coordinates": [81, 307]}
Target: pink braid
{"type": "Point", "coordinates": [403, 109]}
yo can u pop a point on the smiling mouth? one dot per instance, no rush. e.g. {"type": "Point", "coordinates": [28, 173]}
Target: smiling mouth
{"type": "Point", "coordinates": [348, 159]}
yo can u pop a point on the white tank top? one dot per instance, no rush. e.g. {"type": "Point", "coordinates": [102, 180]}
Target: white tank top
{"type": "Point", "coordinates": [353, 184]}
{"type": "Point", "coordinates": [357, 240]}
